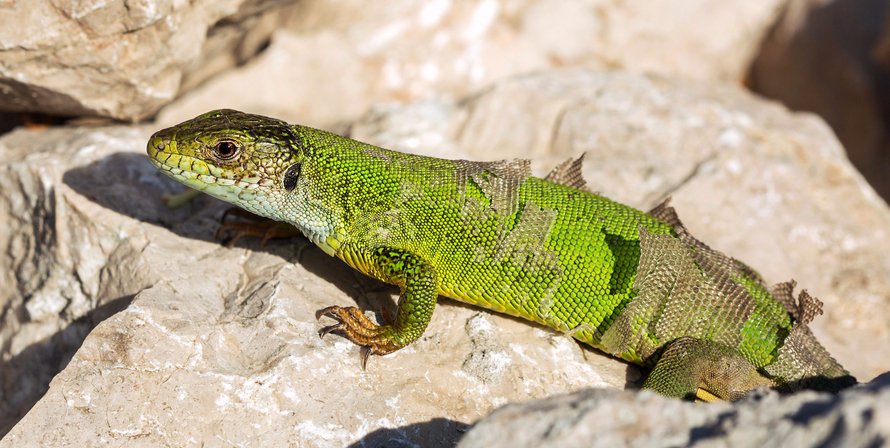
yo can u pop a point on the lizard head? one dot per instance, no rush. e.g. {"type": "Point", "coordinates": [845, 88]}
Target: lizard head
{"type": "Point", "coordinates": [248, 160]}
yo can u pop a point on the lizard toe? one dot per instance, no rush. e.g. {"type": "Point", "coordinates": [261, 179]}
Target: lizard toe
{"type": "Point", "coordinates": [352, 324]}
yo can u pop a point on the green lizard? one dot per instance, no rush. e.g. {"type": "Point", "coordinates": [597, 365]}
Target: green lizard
{"type": "Point", "coordinates": [633, 284]}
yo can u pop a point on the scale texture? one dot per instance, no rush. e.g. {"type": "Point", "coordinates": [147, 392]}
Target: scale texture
{"type": "Point", "coordinates": [633, 284]}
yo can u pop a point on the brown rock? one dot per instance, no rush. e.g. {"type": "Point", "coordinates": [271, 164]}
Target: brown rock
{"type": "Point", "coordinates": [824, 56]}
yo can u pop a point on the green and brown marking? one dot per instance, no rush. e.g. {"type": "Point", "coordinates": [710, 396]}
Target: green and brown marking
{"type": "Point", "coordinates": [630, 283]}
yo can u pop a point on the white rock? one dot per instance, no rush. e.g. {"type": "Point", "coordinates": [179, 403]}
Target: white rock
{"type": "Point", "coordinates": [337, 58]}
{"type": "Point", "coordinates": [219, 346]}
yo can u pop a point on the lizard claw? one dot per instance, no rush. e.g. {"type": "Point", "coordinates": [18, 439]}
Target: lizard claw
{"type": "Point", "coordinates": [327, 311]}
{"type": "Point", "coordinates": [354, 325]}
{"type": "Point", "coordinates": [365, 353]}
{"type": "Point", "coordinates": [336, 328]}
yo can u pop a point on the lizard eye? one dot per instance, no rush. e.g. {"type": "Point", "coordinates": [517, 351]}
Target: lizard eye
{"type": "Point", "coordinates": [226, 150]}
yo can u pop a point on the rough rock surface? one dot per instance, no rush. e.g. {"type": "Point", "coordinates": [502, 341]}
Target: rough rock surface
{"type": "Point", "coordinates": [831, 57]}
{"type": "Point", "coordinates": [120, 58]}
{"type": "Point", "coordinates": [336, 58]}
{"type": "Point", "coordinates": [219, 346]}
{"type": "Point", "coordinates": [858, 417]}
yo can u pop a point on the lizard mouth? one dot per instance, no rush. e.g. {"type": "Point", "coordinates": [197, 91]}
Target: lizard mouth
{"type": "Point", "coordinates": [182, 168]}
{"type": "Point", "coordinates": [189, 170]}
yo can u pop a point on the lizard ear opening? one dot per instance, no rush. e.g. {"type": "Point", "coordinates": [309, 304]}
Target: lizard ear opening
{"type": "Point", "coordinates": [291, 176]}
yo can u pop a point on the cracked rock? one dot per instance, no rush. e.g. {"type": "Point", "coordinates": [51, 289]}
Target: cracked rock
{"type": "Point", "coordinates": [122, 59]}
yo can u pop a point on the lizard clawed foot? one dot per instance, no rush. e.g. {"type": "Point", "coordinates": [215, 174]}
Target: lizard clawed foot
{"type": "Point", "coordinates": [252, 225]}
{"type": "Point", "coordinates": [355, 326]}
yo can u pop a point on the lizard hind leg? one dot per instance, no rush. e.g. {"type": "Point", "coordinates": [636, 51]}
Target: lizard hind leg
{"type": "Point", "coordinates": [691, 368]}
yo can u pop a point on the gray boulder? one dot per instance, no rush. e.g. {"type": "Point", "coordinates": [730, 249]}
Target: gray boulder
{"type": "Point", "coordinates": [858, 417]}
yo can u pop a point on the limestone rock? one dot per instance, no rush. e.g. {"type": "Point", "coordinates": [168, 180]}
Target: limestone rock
{"type": "Point", "coordinates": [122, 59]}
{"type": "Point", "coordinates": [337, 58]}
{"type": "Point", "coordinates": [606, 418]}
{"type": "Point", "coordinates": [218, 345]}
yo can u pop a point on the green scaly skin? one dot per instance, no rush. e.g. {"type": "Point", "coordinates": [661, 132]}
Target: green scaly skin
{"type": "Point", "coordinates": [630, 283]}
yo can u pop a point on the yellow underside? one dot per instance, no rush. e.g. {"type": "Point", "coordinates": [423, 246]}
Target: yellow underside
{"type": "Point", "coordinates": [704, 395]}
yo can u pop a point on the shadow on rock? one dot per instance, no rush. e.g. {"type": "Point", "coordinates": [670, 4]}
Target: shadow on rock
{"type": "Point", "coordinates": [129, 184]}
{"type": "Point", "coordinates": [436, 433]}
{"type": "Point", "coordinates": [833, 58]}
{"type": "Point", "coordinates": [23, 385]}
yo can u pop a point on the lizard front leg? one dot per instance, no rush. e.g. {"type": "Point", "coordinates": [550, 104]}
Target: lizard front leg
{"type": "Point", "coordinates": [417, 281]}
